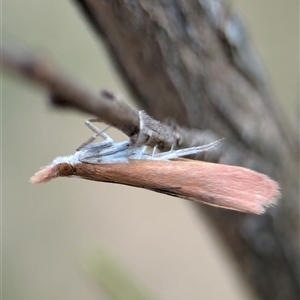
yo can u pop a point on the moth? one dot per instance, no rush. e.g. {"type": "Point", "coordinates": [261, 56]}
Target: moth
{"type": "Point", "coordinates": [225, 186]}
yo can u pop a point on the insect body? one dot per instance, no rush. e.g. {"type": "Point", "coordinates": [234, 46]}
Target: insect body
{"type": "Point", "coordinates": [219, 185]}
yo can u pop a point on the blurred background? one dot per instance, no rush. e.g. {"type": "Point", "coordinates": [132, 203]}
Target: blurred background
{"type": "Point", "coordinates": [52, 234]}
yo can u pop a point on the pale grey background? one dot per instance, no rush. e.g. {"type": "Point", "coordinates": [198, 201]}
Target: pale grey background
{"type": "Point", "coordinates": [49, 230]}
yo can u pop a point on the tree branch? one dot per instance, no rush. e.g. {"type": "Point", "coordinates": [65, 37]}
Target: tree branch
{"type": "Point", "coordinates": [192, 61]}
{"type": "Point", "coordinates": [109, 108]}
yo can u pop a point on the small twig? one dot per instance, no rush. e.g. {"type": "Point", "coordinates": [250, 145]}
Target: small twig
{"type": "Point", "coordinates": [108, 107]}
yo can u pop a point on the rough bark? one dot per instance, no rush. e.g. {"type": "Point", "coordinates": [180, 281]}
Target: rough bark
{"type": "Point", "coordinates": [191, 61]}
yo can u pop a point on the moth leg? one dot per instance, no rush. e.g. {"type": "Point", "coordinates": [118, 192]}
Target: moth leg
{"type": "Point", "coordinates": [137, 142]}
{"type": "Point", "coordinates": [98, 132]}
{"type": "Point", "coordinates": [141, 127]}
{"type": "Point", "coordinates": [137, 153]}
{"type": "Point", "coordinates": [172, 148]}
{"type": "Point", "coordinates": [154, 150]}
{"type": "Point", "coordinates": [163, 154]}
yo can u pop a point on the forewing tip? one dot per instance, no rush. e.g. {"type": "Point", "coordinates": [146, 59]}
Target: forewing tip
{"type": "Point", "coordinates": [270, 199]}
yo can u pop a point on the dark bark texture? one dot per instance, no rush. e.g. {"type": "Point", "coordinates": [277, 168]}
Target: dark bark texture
{"type": "Point", "coordinates": [191, 61]}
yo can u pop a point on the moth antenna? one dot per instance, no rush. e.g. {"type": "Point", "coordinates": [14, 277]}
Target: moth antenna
{"type": "Point", "coordinates": [173, 154]}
